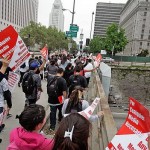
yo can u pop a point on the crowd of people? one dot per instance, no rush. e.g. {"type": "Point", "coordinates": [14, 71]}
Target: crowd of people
{"type": "Point", "coordinates": [67, 78]}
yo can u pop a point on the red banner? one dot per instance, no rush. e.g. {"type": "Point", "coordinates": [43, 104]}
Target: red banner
{"type": "Point", "coordinates": [44, 52]}
{"type": "Point", "coordinates": [12, 46]}
{"type": "Point", "coordinates": [134, 132]}
{"type": "Point", "coordinates": [98, 57]}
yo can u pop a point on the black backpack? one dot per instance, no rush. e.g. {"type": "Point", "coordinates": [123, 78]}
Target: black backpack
{"type": "Point", "coordinates": [74, 82]}
{"type": "Point", "coordinates": [52, 87]}
{"type": "Point", "coordinates": [28, 84]}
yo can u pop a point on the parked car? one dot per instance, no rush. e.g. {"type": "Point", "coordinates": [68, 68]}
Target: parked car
{"type": "Point", "coordinates": [108, 59]}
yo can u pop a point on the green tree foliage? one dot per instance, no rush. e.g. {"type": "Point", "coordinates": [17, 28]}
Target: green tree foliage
{"type": "Point", "coordinates": [115, 40]}
{"type": "Point", "coordinates": [97, 44]}
{"type": "Point", "coordinates": [143, 53]}
{"type": "Point", "coordinates": [36, 33]}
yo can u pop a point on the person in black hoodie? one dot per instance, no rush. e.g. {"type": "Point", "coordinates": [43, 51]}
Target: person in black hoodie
{"type": "Point", "coordinates": [69, 70]}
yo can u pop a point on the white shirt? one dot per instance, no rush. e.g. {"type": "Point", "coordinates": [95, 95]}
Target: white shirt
{"type": "Point", "coordinates": [89, 66]}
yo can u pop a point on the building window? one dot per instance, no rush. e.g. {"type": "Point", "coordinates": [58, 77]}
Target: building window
{"type": "Point", "coordinates": [145, 8]}
{"type": "Point", "coordinates": [142, 30]}
{"type": "Point", "coordinates": [141, 36]}
{"type": "Point", "coordinates": [140, 43]}
{"type": "Point", "coordinates": [147, 44]}
{"type": "Point", "coordinates": [149, 37]}
{"type": "Point", "coordinates": [145, 13]}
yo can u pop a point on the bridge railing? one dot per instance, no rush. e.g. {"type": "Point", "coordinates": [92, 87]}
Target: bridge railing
{"type": "Point", "coordinates": [102, 131]}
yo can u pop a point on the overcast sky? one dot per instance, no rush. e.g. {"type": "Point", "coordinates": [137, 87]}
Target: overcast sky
{"type": "Point", "coordinates": [83, 13]}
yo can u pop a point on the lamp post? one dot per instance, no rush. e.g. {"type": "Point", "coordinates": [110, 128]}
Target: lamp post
{"type": "Point", "coordinates": [91, 25]}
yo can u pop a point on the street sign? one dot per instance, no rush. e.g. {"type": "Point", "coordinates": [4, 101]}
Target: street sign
{"type": "Point", "coordinates": [71, 34]}
{"type": "Point", "coordinates": [74, 28]}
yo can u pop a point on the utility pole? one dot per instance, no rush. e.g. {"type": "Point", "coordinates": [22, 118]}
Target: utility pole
{"type": "Point", "coordinates": [73, 12]}
{"type": "Point", "coordinates": [91, 26]}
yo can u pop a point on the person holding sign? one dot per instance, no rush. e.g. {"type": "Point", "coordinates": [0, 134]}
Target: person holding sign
{"type": "Point", "coordinates": [31, 83]}
{"type": "Point", "coordinates": [4, 93]}
{"type": "Point", "coordinates": [76, 104]}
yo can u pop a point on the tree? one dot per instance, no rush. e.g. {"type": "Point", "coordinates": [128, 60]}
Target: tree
{"type": "Point", "coordinates": [143, 53]}
{"type": "Point", "coordinates": [97, 44]}
{"type": "Point", "coordinates": [115, 39]}
{"type": "Point", "coordinates": [36, 33]}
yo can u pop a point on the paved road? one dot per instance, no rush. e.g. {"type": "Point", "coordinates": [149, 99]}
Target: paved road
{"type": "Point", "coordinates": [18, 105]}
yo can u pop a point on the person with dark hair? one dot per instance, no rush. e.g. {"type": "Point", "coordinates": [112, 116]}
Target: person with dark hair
{"type": "Point", "coordinates": [69, 70]}
{"type": "Point", "coordinates": [27, 137]}
{"type": "Point", "coordinates": [64, 62]}
{"type": "Point", "coordinates": [51, 68]}
{"type": "Point", "coordinates": [5, 94]}
{"type": "Point", "coordinates": [76, 80]}
{"type": "Point", "coordinates": [57, 92]}
{"type": "Point", "coordinates": [73, 133]}
{"type": "Point", "coordinates": [31, 83]}
{"type": "Point", "coordinates": [76, 104]}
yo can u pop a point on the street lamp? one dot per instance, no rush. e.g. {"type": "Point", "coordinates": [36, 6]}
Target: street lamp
{"type": "Point", "coordinates": [91, 25]}
{"type": "Point", "coordinates": [72, 12]}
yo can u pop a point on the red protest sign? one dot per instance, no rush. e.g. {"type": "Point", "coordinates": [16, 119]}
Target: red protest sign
{"type": "Point", "coordinates": [98, 57]}
{"type": "Point", "coordinates": [44, 52]}
{"type": "Point", "coordinates": [135, 129]}
{"type": "Point", "coordinates": [12, 46]}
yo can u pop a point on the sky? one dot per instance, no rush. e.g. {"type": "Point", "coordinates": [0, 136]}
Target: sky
{"type": "Point", "coordinates": [83, 14]}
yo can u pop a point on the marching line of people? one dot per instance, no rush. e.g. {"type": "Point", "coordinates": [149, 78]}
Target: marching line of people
{"type": "Point", "coordinates": [66, 81]}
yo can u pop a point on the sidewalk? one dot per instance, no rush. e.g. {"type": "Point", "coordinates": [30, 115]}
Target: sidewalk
{"type": "Point", "coordinates": [18, 100]}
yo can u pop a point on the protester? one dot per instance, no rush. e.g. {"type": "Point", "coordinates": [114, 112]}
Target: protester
{"type": "Point", "coordinates": [23, 69]}
{"type": "Point", "coordinates": [76, 80]}
{"type": "Point", "coordinates": [73, 133]}
{"type": "Point", "coordinates": [57, 91]}
{"type": "Point", "coordinates": [28, 137]}
{"type": "Point", "coordinates": [76, 104]}
{"type": "Point", "coordinates": [69, 70]}
{"type": "Point", "coordinates": [64, 62]}
{"type": "Point", "coordinates": [51, 68]}
{"type": "Point", "coordinates": [5, 94]}
{"type": "Point", "coordinates": [31, 83]}
{"type": "Point", "coordinates": [89, 66]}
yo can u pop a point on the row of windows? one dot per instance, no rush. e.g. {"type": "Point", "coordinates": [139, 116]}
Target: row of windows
{"type": "Point", "coordinates": [16, 12]}
{"type": "Point", "coordinates": [141, 43]}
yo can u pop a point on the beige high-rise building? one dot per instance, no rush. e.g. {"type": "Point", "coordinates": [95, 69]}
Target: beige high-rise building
{"type": "Point", "coordinates": [18, 13]}
{"type": "Point", "coordinates": [56, 18]}
{"type": "Point", "coordinates": [135, 19]}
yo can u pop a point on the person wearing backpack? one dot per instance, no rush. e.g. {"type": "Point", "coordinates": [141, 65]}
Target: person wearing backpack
{"type": "Point", "coordinates": [76, 80]}
{"type": "Point", "coordinates": [57, 92]}
{"type": "Point", "coordinates": [76, 104]}
{"type": "Point", "coordinates": [31, 83]}
{"type": "Point", "coordinates": [28, 137]}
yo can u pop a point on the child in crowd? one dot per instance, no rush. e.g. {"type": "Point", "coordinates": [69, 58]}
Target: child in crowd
{"type": "Point", "coordinates": [72, 133]}
{"type": "Point", "coordinates": [27, 137]}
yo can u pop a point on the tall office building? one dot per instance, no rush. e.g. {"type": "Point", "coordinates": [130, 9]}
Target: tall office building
{"type": "Point", "coordinates": [18, 13]}
{"type": "Point", "coordinates": [106, 14]}
{"type": "Point", "coordinates": [56, 18]}
{"type": "Point", "coordinates": [135, 19]}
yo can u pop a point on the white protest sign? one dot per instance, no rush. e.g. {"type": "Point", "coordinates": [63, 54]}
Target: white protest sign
{"type": "Point", "coordinates": [13, 79]}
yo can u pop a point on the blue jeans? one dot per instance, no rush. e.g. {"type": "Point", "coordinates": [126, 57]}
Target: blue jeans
{"type": "Point", "coordinates": [53, 111]}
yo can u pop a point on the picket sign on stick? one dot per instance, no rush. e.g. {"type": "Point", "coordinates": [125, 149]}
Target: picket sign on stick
{"type": "Point", "coordinates": [88, 111]}
{"type": "Point", "coordinates": [13, 79]}
{"type": "Point", "coordinates": [133, 135]}
{"type": "Point", "coordinates": [44, 52]}
{"type": "Point", "coordinates": [12, 46]}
